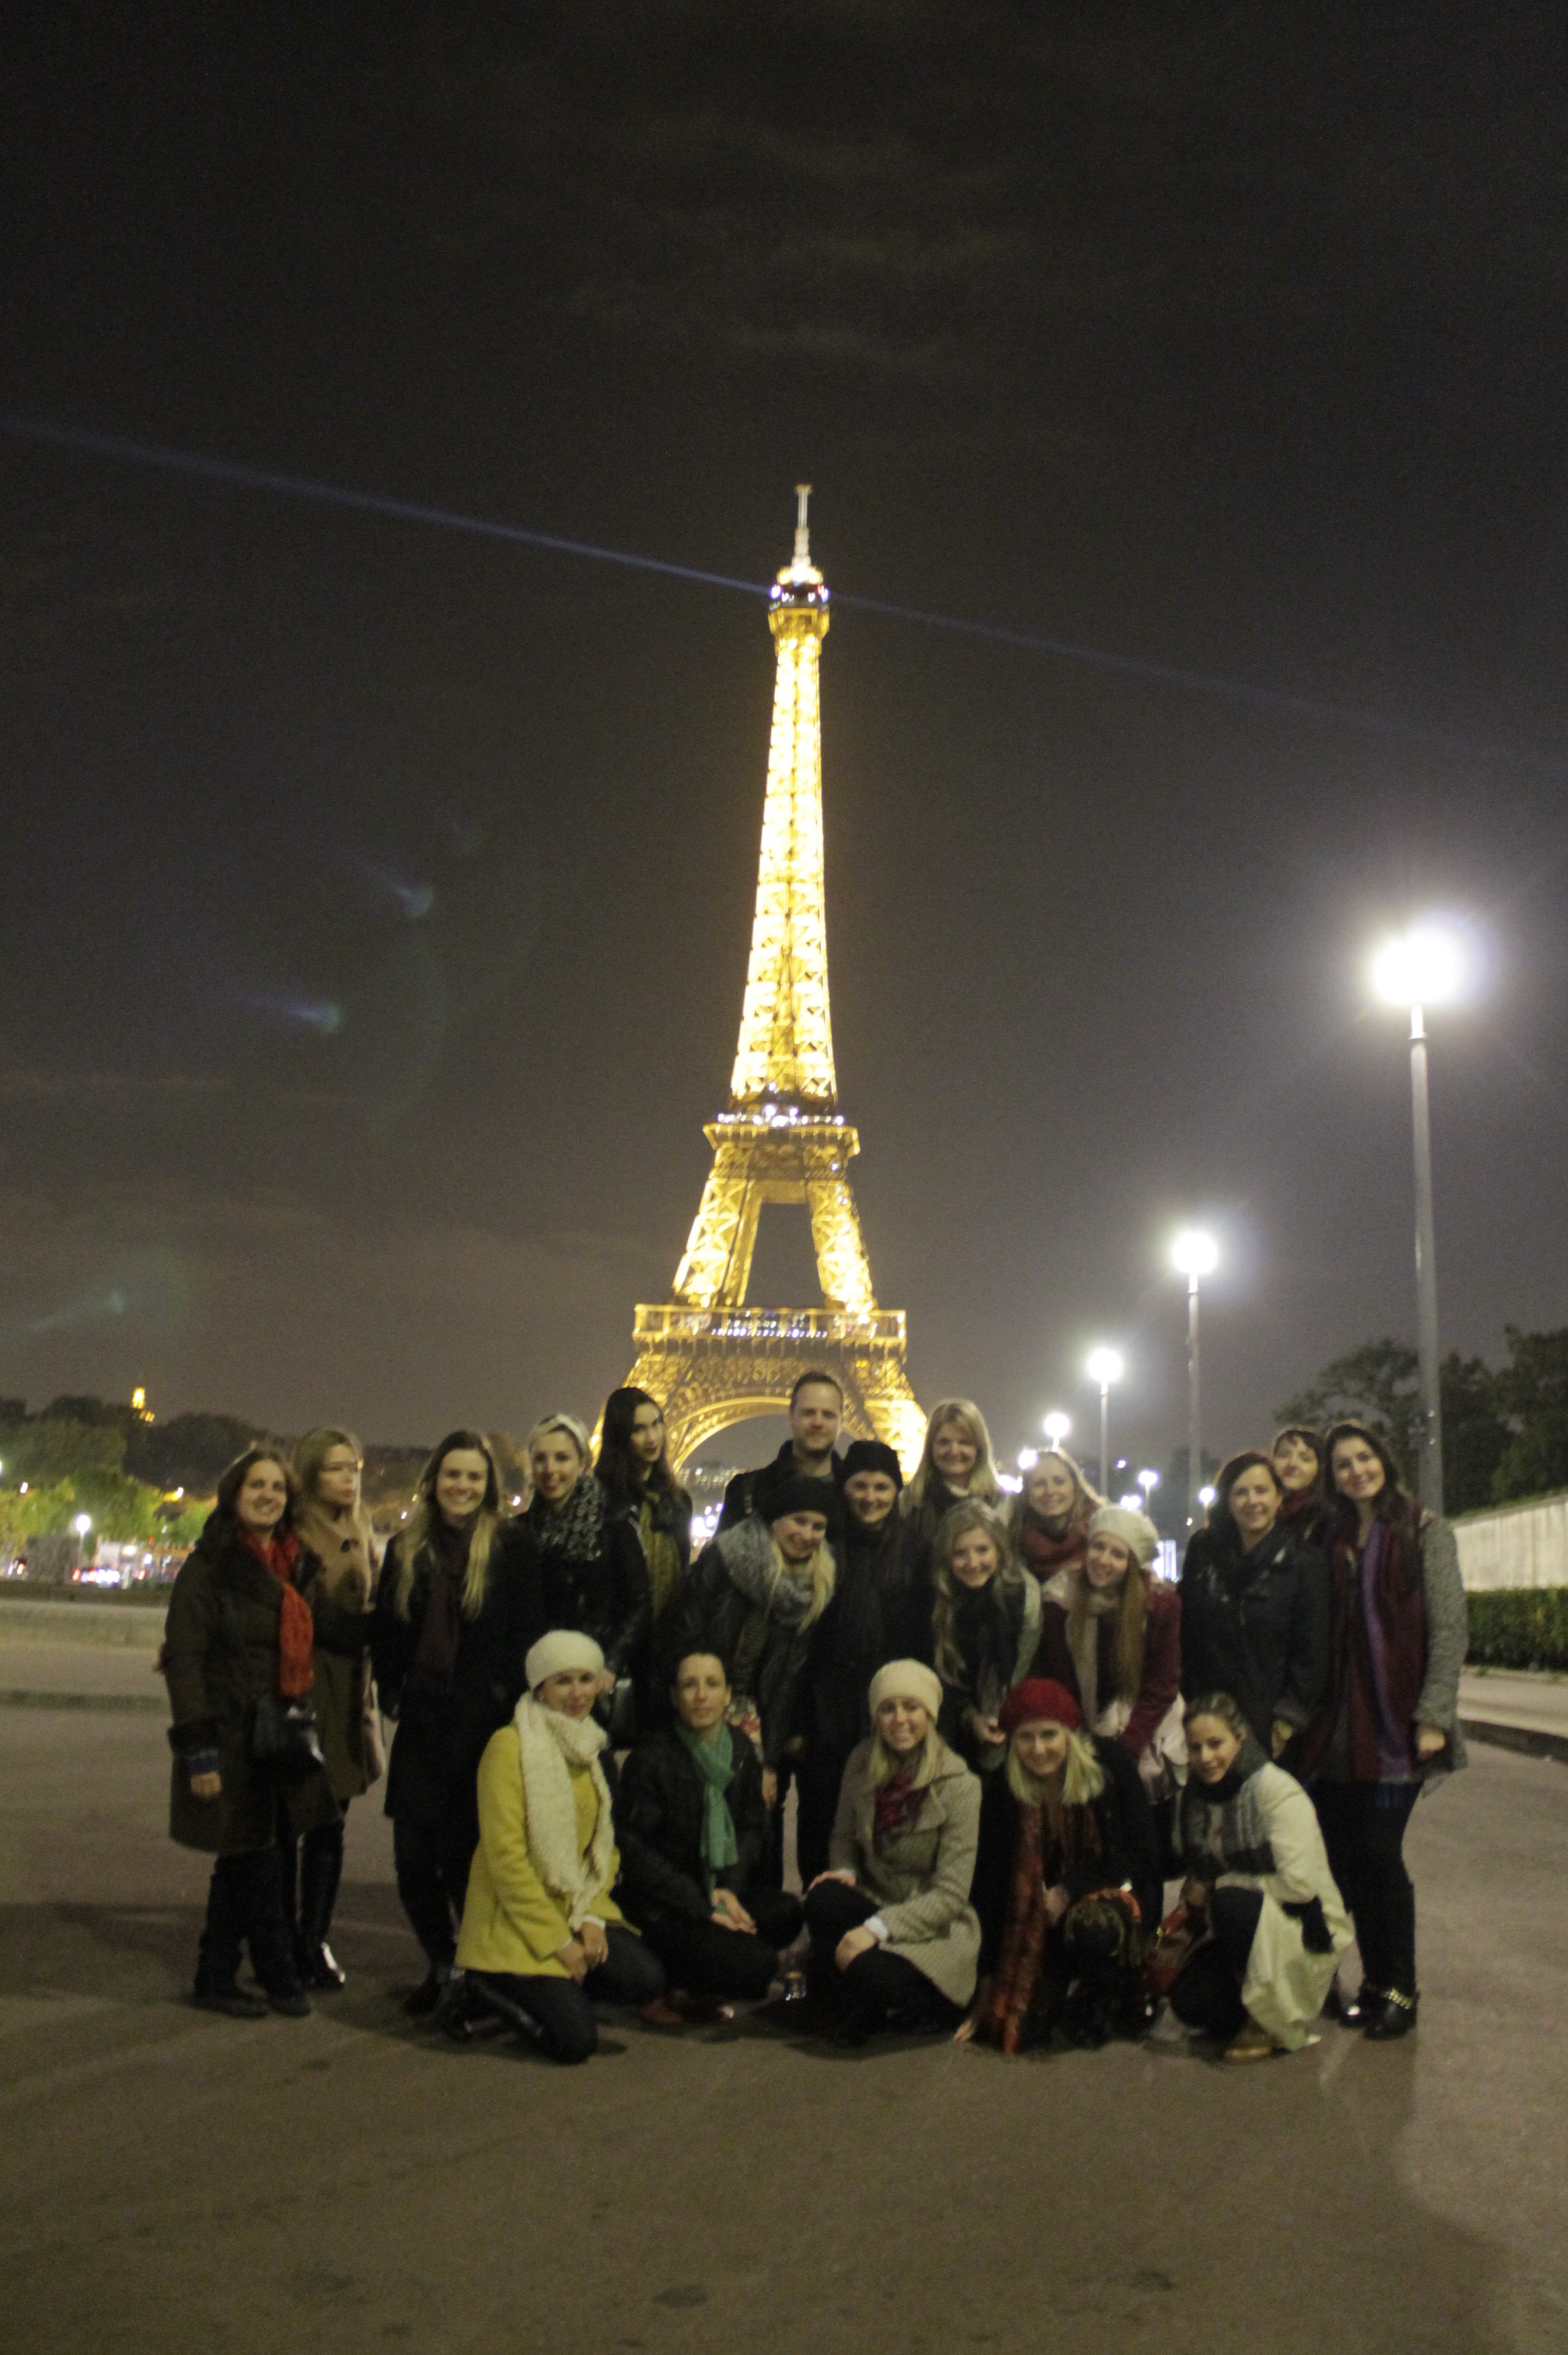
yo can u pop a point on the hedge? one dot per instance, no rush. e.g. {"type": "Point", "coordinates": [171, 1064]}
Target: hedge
{"type": "Point", "coordinates": [1518, 1628]}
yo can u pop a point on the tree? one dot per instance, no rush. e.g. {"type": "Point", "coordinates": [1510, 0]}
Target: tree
{"type": "Point", "coordinates": [47, 1448]}
{"type": "Point", "coordinates": [189, 1451]}
{"type": "Point", "coordinates": [1378, 1384]}
{"type": "Point", "coordinates": [1474, 1433]}
{"type": "Point", "coordinates": [1532, 1389]}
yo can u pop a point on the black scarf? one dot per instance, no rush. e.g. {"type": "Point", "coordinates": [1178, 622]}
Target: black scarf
{"type": "Point", "coordinates": [574, 1528]}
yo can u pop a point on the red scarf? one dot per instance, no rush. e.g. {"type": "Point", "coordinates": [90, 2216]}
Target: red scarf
{"type": "Point", "coordinates": [296, 1628]}
{"type": "Point", "coordinates": [1045, 1554]}
{"type": "Point", "coordinates": [898, 1803]}
{"type": "Point", "coordinates": [1039, 1862]}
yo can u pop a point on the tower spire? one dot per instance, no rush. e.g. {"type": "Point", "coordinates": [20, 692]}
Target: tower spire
{"type": "Point", "coordinates": [708, 1357]}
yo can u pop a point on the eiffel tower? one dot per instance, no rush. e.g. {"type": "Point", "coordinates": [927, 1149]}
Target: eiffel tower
{"type": "Point", "coordinates": [708, 1359]}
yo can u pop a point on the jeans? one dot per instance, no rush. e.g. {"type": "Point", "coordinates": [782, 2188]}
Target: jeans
{"type": "Point", "coordinates": [879, 1984]}
{"type": "Point", "coordinates": [1363, 1831]}
{"type": "Point", "coordinates": [706, 1959]}
{"type": "Point", "coordinates": [432, 1862]}
{"type": "Point", "coordinates": [561, 2010]}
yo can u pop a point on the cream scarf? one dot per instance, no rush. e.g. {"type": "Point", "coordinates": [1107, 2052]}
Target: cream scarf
{"type": "Point", "coordinates": [547, 1741]}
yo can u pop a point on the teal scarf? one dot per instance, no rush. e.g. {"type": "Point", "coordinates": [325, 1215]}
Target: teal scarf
{"type": "Point", "coordinates": [716, 1763]}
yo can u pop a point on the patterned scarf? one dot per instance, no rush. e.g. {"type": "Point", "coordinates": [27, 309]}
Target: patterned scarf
{"type": "Point", "coordinates": [296, 1628]}
{"type": "Point", "coordinates": [548, 1740]}
{"type": "Point", "coordinates": [749, 1555]}
{"type": "Point", "coordinates": [1041, 1858]}
{"type": "Point", "coordinates": [899, 1801]}
{"type": "Point", "coordinates": [713, 1754]}
{"type": "Point", "coordinates": [1223, 1827]}
{"type": "Point", "coordinates": [575, 1527]}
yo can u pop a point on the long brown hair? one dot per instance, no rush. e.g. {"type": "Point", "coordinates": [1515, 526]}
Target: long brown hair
{"type": "Point", "coordinates": [1394, 1505]}
{"type": "Point", "coordinates": [422, 1519]}
{"type": "Point", "coordinates": [265, 1451]}
{"type": "Point", "coordinates": [1007, 1576]}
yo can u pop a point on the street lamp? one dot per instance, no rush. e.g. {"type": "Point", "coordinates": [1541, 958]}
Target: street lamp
{"type": "Point", "coordinates": [1056, 1427]}
{"type": "Point", "coordinates": [1028, 1458]}
{"type": "Point", "coordinates": [1105, 1367]}
{"type": "Point", "coordinates": [1148, 1481]}
{"type": "Point", "coordinates": [1192, 1254]}
{"type": "Point", "coordinates": [1426, 966]}
{"type": "Point", "coordinates": [1206, 1495]}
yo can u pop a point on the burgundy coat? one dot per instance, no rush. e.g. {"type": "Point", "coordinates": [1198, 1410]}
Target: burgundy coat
{"type": "Point", "coordinates": [1162, 1659]}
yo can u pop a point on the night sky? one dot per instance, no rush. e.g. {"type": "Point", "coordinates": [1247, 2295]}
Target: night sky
{"type": "Point", "coordinates": [377, 897]}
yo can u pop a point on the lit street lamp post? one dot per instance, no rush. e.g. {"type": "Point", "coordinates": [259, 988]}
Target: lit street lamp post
{"type": "Point", "coordinates": [1193, 1254]}
{"type": "Point", "coordinates": [1425, 967]}
{"type": "Point", "coordinates": [1105, 1367]}
{"type": "Point", "coordinates": [1056, 1427]}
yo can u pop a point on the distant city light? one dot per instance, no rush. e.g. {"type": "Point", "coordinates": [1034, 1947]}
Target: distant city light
{"type": "Point", "coordinates": [82, 1524]}
{"type": "Point", "coordinates": [1206, 1496]}
{"type": "Point", "coordinates": [1147, 1482]}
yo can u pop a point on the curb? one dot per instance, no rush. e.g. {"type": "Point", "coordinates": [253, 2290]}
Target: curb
{"type": "Point", "coordinates": [26, 1697]}
{"type": "Point", "coordinates": [1532, 1741]}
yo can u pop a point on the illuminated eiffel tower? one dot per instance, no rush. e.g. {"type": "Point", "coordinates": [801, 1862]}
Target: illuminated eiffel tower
{"type": "Point", "coordinates": [708, 1359]}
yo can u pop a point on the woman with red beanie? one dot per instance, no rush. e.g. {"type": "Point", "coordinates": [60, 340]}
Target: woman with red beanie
{"type": "Point", "coordinates": [1084, 1892]}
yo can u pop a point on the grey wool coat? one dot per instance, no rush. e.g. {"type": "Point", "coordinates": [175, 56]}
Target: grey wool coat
{"type": "Point", "coordinates": [920, 1879]}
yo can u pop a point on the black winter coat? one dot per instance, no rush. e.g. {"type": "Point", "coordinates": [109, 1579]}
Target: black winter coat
{"type": "Point", "coordinates": [658, 1828]}
{"type": "Point", "coordinates": [710, 1613]}
{"type": "Point", "coordinates": [1126, 1850]}
{"type": "Point", "coordinates": [219, 1657]}
{"type": "Point", "coordinates": [442, 1736]}
{"type": "Point", "coordinates": [1255, 1625]}
{"type": "Point", "coordinates": [880, 1611]}
{"type": "Point", "coordinates": [748, 1491]}
{"type": "Point", "coordinates": [997, 1629]}
{"type": "Point", "coordinates": [604, 1595]}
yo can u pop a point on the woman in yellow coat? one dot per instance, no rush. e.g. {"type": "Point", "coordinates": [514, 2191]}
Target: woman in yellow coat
{"type": "Point", "coordinates": [542, 1935]}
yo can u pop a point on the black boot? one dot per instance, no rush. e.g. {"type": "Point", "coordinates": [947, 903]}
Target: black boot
{"type": "Point", "coordinates": [1351, 2011]}
{"type": "Point", "coordinates": [321, 1869]}
{"type": "Point", "coordinates": [1391, 2016]}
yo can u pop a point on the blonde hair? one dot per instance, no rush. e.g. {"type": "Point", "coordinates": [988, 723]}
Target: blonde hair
{"type": "Point", "coordinates": [884, 1763]}
{"type": "Point", "coordinates": [973, 1514]}
{"type": "Point", "coordinates": [576, 1431]}
{"type": "Point", "coordinates": [823, 1568]}
{"type": "Point", "coordinates": [424, 1514]}
{"type": "Point", "coordinates": [1082, 1776]}
{"type": "Point", "coordinates": [1086, 1500]}
{"type": "Point", "coordinates": [967, 1417]}
{"type": "Point", "coordinates": [1131, 1624]}
{"type": "Point", "coordinates": [310, 1453]}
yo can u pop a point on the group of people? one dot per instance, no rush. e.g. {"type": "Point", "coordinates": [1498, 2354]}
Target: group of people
{"type": "Point", "coordinates": [1006, 1735]}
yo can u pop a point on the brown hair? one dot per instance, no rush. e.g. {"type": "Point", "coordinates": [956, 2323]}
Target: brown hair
{"type": "Point", "coordinates": [1132, 1621]}
{"type": "Point", "coordinates": [492, 1512]}
{"type": "Point", "coordinates": [1394, 1505]}
{"type": "Point", "coordinates": [265, 1451]}
{"type": "Point", "coordinates": [1220, 1705]}
{"type": "Point", "coordinates": [984, 1484]}
{"type": "Point", "coordinates": [310, 1453]}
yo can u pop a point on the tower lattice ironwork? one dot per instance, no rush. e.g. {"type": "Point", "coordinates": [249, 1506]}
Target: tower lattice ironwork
{"type": "Point", "coordinates": [710, 1359]}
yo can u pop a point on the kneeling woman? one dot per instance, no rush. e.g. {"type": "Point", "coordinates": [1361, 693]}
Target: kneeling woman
{"type": "Point", "coordinates": [893, 1916]}
{"type": "Point", "coordinates": [1086, 1889]}
{"type": "Point", "coordinates": [694, 1840]}
{"type": "Point", "coordinates": [1258, 1875]}
{"type": "Point", "coordinates": [542, 1936]}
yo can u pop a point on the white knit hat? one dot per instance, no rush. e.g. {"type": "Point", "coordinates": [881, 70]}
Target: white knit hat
{"type": "Point", "coordinates": [907, 1680]}
{"type": "Point", "coordinates": [1136, 1531]}
{"type": "Point", "coordinates": [563, 1649]}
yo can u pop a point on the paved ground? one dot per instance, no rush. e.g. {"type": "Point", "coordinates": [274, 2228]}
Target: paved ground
{"type": "Point", "coordinates": [175, 2182]}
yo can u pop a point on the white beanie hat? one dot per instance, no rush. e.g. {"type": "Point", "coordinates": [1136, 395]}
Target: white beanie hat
{"type": "Point", "coordinates": [563, 1649]}
{"type": "Point", "coordinates": [1136, 1531]}
{"type": "Point", "coordinates": [907, 1680]}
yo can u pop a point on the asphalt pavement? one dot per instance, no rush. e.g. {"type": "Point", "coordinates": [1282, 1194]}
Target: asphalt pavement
{"type": "Point", "coordinates": [178, 2182]}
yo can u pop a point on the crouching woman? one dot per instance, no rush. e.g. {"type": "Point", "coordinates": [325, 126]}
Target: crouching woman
{"type": "Point", "coordinates": [694, 1844]}
{"type": "Point", "coordinates": [1084, 1890]}
{"type": "Point", "coordinates": [1257, 1875]}
{"type": "Point", "coordinates": [542, 1936]}
{"type": "Point", "coordinates": [892, 1916]}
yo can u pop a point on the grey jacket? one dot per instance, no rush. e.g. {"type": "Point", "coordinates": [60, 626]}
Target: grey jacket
{"type": "Point", "coordinates": [921, 1880]}
{"type": "Point", "coordinates": [1447, 1635]}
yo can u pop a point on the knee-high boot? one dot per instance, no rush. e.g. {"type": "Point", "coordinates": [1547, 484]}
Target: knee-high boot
{"type": "Point", "coordinates": [321, 1869]}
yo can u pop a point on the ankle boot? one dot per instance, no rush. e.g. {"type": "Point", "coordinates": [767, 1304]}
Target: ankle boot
{"type": "Point", "coordinates": [1393, 2015]}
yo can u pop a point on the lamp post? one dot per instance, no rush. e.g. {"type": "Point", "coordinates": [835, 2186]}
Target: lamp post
{"type": "Point", "coordinates": [1426, 966]}
{"type": "Point", "coordinates": [1056, 1427]}
{"type": "Point", "coordinates": [1148, 1481]}
{"type": "Point", "coordinates": [1194, 1254]}
{"type": "Point", "coordinates": [1105, 1367]}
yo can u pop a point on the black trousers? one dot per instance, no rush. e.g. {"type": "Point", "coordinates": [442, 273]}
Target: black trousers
{"type": "Point", "coordinates": [879, 1984]}
{"type": "Point", "coordinates": [706, 1959]}
{"type": "Point", "coordinates": [561, 2011]}
{"type": "Point", "coordinates": [1207, 1993]}
{"type": "Point", "coordinates": [817, 1779]}
{"type": "Point", "coordinates": [432, 1861]}
{"type": "Point", "coordinates": [1363, 1831]}
{"type": "Point", "coordinates": [245, 1908]}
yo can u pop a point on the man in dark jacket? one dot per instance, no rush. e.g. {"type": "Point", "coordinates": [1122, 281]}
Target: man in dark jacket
{"type": "Point", "coordinates": [693, 1834]}
{"type": "Point", "coordinates": [816, 1413]}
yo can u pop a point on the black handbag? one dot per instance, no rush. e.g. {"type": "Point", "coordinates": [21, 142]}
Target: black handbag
{"type": "Point", "coordinates": [284, 1735]}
